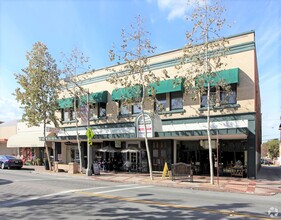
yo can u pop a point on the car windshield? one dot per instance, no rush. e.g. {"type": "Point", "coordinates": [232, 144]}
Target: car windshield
{"type": "Point", "coordinates": [11, 157]}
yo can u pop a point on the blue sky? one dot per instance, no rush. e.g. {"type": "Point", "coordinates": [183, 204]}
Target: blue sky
{"type": "Point", "coordinates": [92, 26]}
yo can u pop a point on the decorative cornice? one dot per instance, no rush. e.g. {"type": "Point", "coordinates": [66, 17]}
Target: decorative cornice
{"type": "Point", "coordinates": [239, 48]}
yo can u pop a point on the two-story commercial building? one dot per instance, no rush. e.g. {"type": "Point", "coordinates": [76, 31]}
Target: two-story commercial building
{"type": "Point", "coordinates": [180, 135]}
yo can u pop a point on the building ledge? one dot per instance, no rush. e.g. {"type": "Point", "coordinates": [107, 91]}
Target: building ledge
{"type": "Point", "coordinates": [220, 108]}
{"type": "Point", "coordinates": [180, 111]}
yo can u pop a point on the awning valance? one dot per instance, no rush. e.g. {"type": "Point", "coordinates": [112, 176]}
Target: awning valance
{"type": "Point", "coordinates": [65, 103]}
{"type": "Point", "coordinates": [171, 85]}
{"type": "Point", "coordinates": [27, 139]}
{"type": "Point", "coordinates": [97, 97]}
{"type": "Point", "coordinates": [126, 93]}
{"type": "Point", "coordinates": [227, 76]}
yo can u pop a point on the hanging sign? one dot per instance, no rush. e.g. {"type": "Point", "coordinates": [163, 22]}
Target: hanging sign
{"type": "Point", "coordinates": [140, 126]}
{"type": "Point", "coordinates": [151, 123]}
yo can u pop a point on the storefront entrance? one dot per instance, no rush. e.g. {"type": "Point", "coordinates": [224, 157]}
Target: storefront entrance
{"type": "Point", "coordinates": [228, 155]}
{"type": "Point", "coordinates": [161, 153]}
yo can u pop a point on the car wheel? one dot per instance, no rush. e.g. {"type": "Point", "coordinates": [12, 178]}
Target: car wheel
{"type": "Point", "coordinates": [3, 166]}
{"type": "Point", "coordinates": [18, 168]}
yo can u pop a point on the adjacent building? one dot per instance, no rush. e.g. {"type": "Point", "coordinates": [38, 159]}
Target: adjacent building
{"type": "Point", "coordinates": [179, 133]}
{"type": "Point", "coordinates": [6, 131]}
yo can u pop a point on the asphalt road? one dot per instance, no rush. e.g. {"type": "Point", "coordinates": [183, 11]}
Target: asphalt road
{"type": "Point", "coordinates": [27, 195]}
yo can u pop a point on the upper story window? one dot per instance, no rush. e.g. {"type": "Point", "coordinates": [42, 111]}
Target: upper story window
{"type": "Point", "coordinates": [160, 102]}
{"type": "Point", "coordinates": [102, 109]}
{"type": "Point", "coordinates": [176, 100]}
{"type": "Point", "coordinates": [228, 95]}
{"type": "Point", "coordinates": [204, 101]}
{"type": "Point", "coordinates": [124, 108]}
{"type": "Point", "coordinates": [67, 114]}
{"type": "Point", "coordinates": [93, 114]}
{"type": "Point", "coordinates": [220, 95]}
{"type": "Point", "coordinates": [97, 110]}
{"type": "Point", "coordinates": [136, 108]}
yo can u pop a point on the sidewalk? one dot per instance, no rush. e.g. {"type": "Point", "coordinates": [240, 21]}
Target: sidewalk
{"type": "Point", "coordinates": [268, 181]}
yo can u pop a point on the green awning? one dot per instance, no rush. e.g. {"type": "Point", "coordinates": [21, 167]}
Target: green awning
{"type": "Point", "coordinates": [97, 97]}
{"type": "Point", "coordinates": [171, 85]}
{"type": "Point", "coordinates": [228, 76]}
{"type": "Point", "coordinates": [126, 93]}
{"type": "Point", "coordinates": [65, 103]}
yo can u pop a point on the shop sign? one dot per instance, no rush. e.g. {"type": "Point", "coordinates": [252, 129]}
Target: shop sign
{"type": "Point", "coordinates": [140, 127]}
{"type": "Point", "coordinates": [152, 124]}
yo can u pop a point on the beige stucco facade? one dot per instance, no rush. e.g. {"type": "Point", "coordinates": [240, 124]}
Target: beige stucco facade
{"type": "Point", "coordinates": [177, 125]}
{"type": "Point", "coordinates": [6, 131]}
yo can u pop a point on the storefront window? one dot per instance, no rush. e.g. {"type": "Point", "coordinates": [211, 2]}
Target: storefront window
{"type": "Point", "coordinates": [74, 154]}
{"type": "Point", "coordinates": [162, 152]}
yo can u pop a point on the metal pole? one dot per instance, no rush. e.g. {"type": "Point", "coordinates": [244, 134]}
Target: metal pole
{"type": "Point", "coordinates": [88, 170]}
{"type": "Point", "coordinates": [218, 157]}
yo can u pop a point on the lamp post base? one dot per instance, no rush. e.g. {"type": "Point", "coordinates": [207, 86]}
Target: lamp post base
{"type": "Point", "coordinates": [88, 172]}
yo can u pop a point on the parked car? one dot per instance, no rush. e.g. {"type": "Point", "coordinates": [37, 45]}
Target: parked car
{"type": "Point", "coordinates": [7, 161]}
{"type": "Point", "coordinates": [266, 161]}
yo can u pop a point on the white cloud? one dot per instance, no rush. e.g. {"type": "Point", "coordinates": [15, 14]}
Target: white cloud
{"type": "Point", "coordinates": [10, 109]}
{"type": "Point", "coordinates": [175, 8]}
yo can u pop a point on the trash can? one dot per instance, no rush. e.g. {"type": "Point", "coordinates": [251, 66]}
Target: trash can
{"type": "Point", "coordinates": [46, 163]}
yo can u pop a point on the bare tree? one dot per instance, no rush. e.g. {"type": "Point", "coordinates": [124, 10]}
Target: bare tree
{"type": "Point", "coordinates": [71, 64]}
{"type": "Point", "coordinates": [202, 55]}
{"type": "Point", "coordinates": [134, 70]}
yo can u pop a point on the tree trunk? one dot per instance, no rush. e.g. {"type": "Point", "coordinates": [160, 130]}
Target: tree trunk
{"type": "Point", "coordinates": [79, 148]}
{"type": "Point", "coordinates": [208, 94]}
{"type": "Point", "coordinates": [46, 147]}
{"type": "Point", "coordinates": [77, 137]}
{"type": "Point", "coordinates": [209, 137]}
{"type": "Point", "coordinates": [147, 147]}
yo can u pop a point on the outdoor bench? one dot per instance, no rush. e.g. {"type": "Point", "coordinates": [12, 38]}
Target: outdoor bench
{"type": "Point", "coordinates": [182, 171]}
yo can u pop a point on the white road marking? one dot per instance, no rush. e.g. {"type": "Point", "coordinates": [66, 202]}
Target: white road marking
{"type": "Point", "coordinates": [73, 191]}
{"type": "Point", "coordinates": [28, 180]}
{"type": "Point", "coordinates": [116, 190]}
